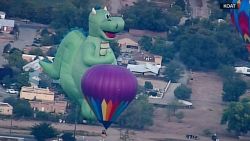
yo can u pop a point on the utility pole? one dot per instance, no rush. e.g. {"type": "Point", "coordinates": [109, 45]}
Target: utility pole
{"type": "Point", "coordinates": [10, 124]}
{"type": "Point", "coordinates": [76, 117]}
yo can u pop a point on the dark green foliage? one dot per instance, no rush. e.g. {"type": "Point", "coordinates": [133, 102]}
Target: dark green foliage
{"type": "Point", "coordinates": [198, 52]}
{"type": "Point", "coordinates": [15, 59]}
{"type": "Point", "coordinates": [233, 89]}
{"type": "Point", "coordinates": [181, 3]}
{"type": "Point", "coordinates": [143, 116]}
{"type": "Point", "coordinates": [7, 48]}
{"type": "Point", "coordinates": [68, 137]}
{"type": "Point", "coordinates": [153, 93]}
{"type": "Point", "coordinates": [116, 49]}
{"type": "Point", "coordinates": [204, 45]}
{"type": "Point", "coordinates": [236, 117]}
{"type": "Point", "coordinates": [45, 81]}
{"type": "Point", "coordinates": [43, 131]}
{"type": "Point", "coordinates": [145, 15]}
{"type": "Point", "coordinates": [146, 43]}
{"type": "Point", "coordinates": [52, 51]}
{"type": "Point", "coordinates": [37, 52]}
{"type": "Point", "coordinates": [173, 71]}
{"type": "Point", "coordinates": [46, 116]}
{"type": "Point", "coordinates": [21, 108]}
{"type": "Point", "coordinates": [183, 92]}
{"type": "Point", "coordinates": [148, 85]}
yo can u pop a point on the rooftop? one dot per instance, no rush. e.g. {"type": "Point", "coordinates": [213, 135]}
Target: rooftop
{"type": "Point", "coordinates": [2, 13]}
{"type": "Point", "coordinates": [9, 23]}
{"type": "Point", "coordinates": [36, 90]}
{"type": "Point", "coordinates": [5, 104]}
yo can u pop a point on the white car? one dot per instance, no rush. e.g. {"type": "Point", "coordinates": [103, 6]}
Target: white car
{"type": "Point", "coordinates": [11, 91]}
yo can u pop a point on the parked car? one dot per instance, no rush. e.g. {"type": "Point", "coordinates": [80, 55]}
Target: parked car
{"type": "Point", "coordinates": [12, 91]}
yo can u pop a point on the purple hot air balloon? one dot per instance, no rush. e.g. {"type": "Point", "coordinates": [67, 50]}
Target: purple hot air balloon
{"type": "Point", "coordinates": [108, 90]}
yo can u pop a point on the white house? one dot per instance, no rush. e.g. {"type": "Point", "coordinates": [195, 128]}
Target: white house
{"type": "Point", "coordinates": [2, 15]}
{"type": "Point", "coordinates": [6, 25]}
{"type": "Point", "coordinates": [242, 70]}
{"type": "Point", "coordinates": [145, 69]}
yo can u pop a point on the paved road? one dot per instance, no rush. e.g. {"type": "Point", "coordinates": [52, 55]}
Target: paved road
{"type": "Point", "coordinates": [26, 37]}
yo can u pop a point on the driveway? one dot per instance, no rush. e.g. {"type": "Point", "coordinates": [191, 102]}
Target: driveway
{"type": "Point", "coordinates": [199, 8]}
{"type": "Point", "coordinates": [26, 37]}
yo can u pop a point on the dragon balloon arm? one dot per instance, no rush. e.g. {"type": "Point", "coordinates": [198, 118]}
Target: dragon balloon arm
{"type": "Point", "coordinates": [90, 59]}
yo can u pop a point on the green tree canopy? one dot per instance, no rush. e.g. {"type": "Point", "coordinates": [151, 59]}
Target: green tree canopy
{"type": "Point", "coordinates": [15, 59]}
{"type": "Point", "coordinates": [68, 137]}
{"type": "Point", "coordinates": [43, 131]}
{"type": "Point", "coordinates": [146, 15]}
{"type": "Point", "coordinates": [148, 85]}
{"type": "Point", "coordinates": [173, 71]}
{"type": "Point", "coordinates": [116, 49]}
{"type": "Point", "coordinates": [183, 92]}
{"type": "Point", "coordinates": [143, 116]}
{"type": "Point", "coordinates": [233, 89]}
{"type": "Point", "coordinates": [21, 108]}
{"type": "Point", "coordinates": [237, 117]}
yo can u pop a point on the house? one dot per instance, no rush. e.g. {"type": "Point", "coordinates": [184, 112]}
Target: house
{"type": "Point", "coordinates": [128, 45]}
{"type": "Point", "coordinates": [34, 65]}
{"type": "Point", "coordinates": [144, 57]}
{"type": "Point", "coordinates": [35, 93]}
{"type": "Point", "coordinates": [6, 25]}
{"type": "Point", "coordinates": [145, 69]}
{"type": "Point", "coordinates": [242, 70]}
{"type": "Point", "coordinates": [2, 15]}
{"type": "Point", "coordinates": [5, 109]}
{"type": "Point", "coordinates": [34, 78]}
{"type": "Point", "coordinates": [141, 33]}
{"type": "Point", "coordinates": [58, 107]}
{"type": "Point", "coordinates": [30, 58]}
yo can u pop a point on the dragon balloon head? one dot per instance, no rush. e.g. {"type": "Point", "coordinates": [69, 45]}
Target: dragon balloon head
{"type": "Point", "coordinates": [103, 25]}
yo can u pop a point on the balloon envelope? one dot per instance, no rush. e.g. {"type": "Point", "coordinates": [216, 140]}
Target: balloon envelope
{"type": "Point", "coordinates": [240, 18]}
{"type": "Point", "coordinates": [108, 89]}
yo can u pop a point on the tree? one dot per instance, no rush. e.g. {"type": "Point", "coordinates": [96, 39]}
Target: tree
{"type": "Point", "coordinates": [181, 3]}
{"type": "Point", "coordinates": [43, 131]}
{"type": "Point", "coordinates": [21, 108]}
{"type": "Point", "coordinates": [182, 92]}
{"type": "Point", "coordinates": [148, 85]}
{"type": "Point", "coordinates": [7, 48]}
{"type": "Point", "coordinates": [21, 79]}
{"type": "Point", "coordinates": [233, 89]}
{"type": "Point", "coordinates": [52, 51]}
{"type": "Point", "coordinates": [37, 52]}
{"type": "Point", "coordinates": [199, 52]}
{"type": "Point", "coordinates": [173, 72]}
{"type": "Point", "coordinates": [236, 117]}
{"type": "Point", "coordinates": [143, 116]}
{"type": "Point", "coordinates": [45, 81]}
{"type": "Point", "coordinates": [116, 49]}
{"type": "Point", "coordinates": [145, 15]}
{"type": "Point", "coordinates": [179, 116]}
{"type": "Point", "coordinates": [68, 137]}
{"type": "Point", "coordinates": [227, 72]}
{"type": "Point", "coordinates": [146, 43]}
{"type": "Point", "coordinates": [15, 58]}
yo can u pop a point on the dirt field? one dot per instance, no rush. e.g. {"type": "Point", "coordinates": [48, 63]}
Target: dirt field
{"type": "Point", "coordinates": [208, 107]}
